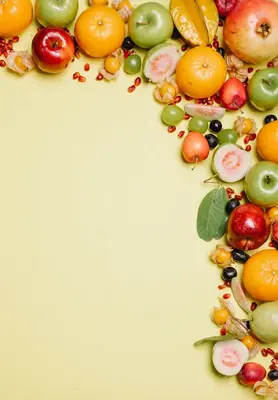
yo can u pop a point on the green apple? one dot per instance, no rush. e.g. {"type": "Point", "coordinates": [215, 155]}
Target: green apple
{"type": "Point", "coordinates": [263, 89]}
{"type": "Point", "coordinates": [261, 184]}
{"type": "Point", "coordinates": [56, 13]}
{"type": "Point", "coordinates": [150, 24]}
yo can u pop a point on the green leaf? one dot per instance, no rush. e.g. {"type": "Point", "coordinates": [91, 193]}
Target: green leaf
{"type": "Point", "coordinates": [211, 214]}
{"type": "Point", "coordinates": [222, 228]}
{"type": "Point", "coordinates": [215, 339]}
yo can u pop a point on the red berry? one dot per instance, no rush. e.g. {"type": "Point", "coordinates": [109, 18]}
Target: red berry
{"type": "Point", "coordinates": [248, 148]}
{"type": "Point", "coordinates": [250, 69]}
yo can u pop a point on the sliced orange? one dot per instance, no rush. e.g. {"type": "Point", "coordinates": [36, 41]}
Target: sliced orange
{"type": "Point", "coordinates": [260, 275]}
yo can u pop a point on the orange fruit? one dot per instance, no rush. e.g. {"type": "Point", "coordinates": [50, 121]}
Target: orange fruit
{"type": "Point", "coordinates": [15, 16]}
{"type": "Point", "coordinates": [267, 142]}
{"type": "Point", "coordinates": [201, 72]}
{"type": "Point", "coordinates": [99, 31]}
{"type": "Point", "coordinates": [260, 275]}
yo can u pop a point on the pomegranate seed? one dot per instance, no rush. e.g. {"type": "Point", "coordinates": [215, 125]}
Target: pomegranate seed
{"type": "Point", "coordinates": [77, 54]}
{"type": "Point", "coordinates": [220, 22]}
{"type": "Point", "coordinates": [248, 148]}
{"type": "Point", "coordinates": [228, 189]}
{"type": "Point", "coordinates": [126, 53]}
{"type": "Point", "coordinates": [76, 75]}
{"type": "Point", "coordinates": [215, 45]}
{"type": "Point", "coordinates": [15, 39]}
{"type": "Point", "coordinates": [99, 77]}
{"type": "Point", "coordinates": [2, 63]}
{"type": "Point", "coordinates": [171, 129]}
{"type": "Point", "coordinates": [186, 117]}
{"type": "Point", "coordinates": [204, 101]}
{"type": "Point", "coordinates": [5, 53]}
{"type": "Point", "coordinates": [188, 97]}
{"type": "Point", "coordinates": [137, 81]}
{"type": "Point", "coordinates": [243, 193]}
{"type": "Point", "coordinates": [131, 89]}
{"type": "Point", "coordinates": [272, 366]}
{"type": "Point", "coordinates": [87, 67]}
{"type": "Point", "coordinates": [228, 284]}
{"type": "Point", "coordinates": [177, 99]}
{"type": "Point", "coordinates": [253, 308]}
{"type": "Point", "coordinates": [82, 79]}
{"type": "Point", "coordinates": [180, 134]}
{"type": "Point", "coordinates": [230, 195]}
{"type": "Point", "coordinates": [226, 296]}
{"type": "Point", "coordinates": [247, 139]}
{"type": "Point", "coordinates": [253, 136]}
{"type": "Point", "coordinates": [250, 69]}
{"type": "Point", "coordinates": [270, 351]}
{"type": "Point", "coordinates": [238, 197]}
{"type": "Point", "coordinates": [73, 59]}
{"type": "Point", "coordinates": [210, 102]}
{"type": "Point", "coordinates": [217, 100]}
{"type": "Point", "coordinates": [198, 101]}
{"type": "Point", "coordinates": [272, 244]}
{"type": "Point", "coordinates": [274, 361]}
{"type": "Point", "coordinates": [209, 45]}
{"type": "Point", "coordinates": [264, 352]}
{"type": "Point", "coordinates": [184, 47]}
{"type": "Point", "coordinates": [221, 287]}
{"type": "Point", "coordinates": [270, 64]}
{"type": "Point", "coordinates": [223, 332]}
{"type": "Point", "coordinates": [276, 356]}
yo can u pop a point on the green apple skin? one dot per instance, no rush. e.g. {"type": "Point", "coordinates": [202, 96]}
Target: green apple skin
{"type": "Point", "coordinates": [150, 24]}
{"type": "Point", "coordinates": [56, 13]}
{"type": "Point", "coordinates": [262, 89]}
{"type": "Point", "coordinates": [261, 184]}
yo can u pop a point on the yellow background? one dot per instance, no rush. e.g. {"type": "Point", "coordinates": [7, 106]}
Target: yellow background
{"type": "Point", "coordinates": [104, 283]}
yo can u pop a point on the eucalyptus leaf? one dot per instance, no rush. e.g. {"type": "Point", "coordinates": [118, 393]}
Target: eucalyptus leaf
{"type": "Point", "coordinates": [211, 213]}
{"type": "Point", "coordinates": [215, 339]}
{"type": "Point", "coordinates": [222, 228]}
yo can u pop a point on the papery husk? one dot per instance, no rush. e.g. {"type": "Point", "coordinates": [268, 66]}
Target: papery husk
{"type": "Point", "coordinates": [239, 295]}
{"type": "Point", "coordinates": [235, 68]}
{"type": "Point", "coordinates": [214, 253]}
{"type": "Point", "coordinates": [236, 327]}
{"type": "Point", "coordinates": [26, 63]}
{"type": "Point", "coordinates": [239, 125]}
{"type": "Point", "coordinates": [275, 62]}
{"type": "Point", "coordinates": [167, 98]}
{"type": "Point", "coordinates": [268, 390]}
{"type": "Point", "coordinates": [255, 349]}
{"type": "Point", "coordinates": [224, 305]}
{"type": "Point", "coordinates": [119, 54]}
{"type": "Point", "coordinates": [124, 8]}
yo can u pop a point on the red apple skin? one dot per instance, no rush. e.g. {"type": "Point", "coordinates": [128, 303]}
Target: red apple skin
{"type": "Point", "coordinates": [251, 373]}
{"type": "Point", "coordinates": [53, 49]}
{"type": "Point", "coordinates": [248, 227]}
{"type": "Point", "coordinates": [233, 94]}
{"type": "Point", "coordinates": [275, 231]}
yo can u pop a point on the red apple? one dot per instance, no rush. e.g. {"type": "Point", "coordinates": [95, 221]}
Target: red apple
{"type": "Point", "coordinates": [233, 94]}
{"type": "Point", "coordinates": [248, 227]}
{"type": "Point", "coordinates": [251, 373]}
{"type": "Point", "coordinates": [53, 49]}
{"type": "Point", "coordinates": [275, 231]}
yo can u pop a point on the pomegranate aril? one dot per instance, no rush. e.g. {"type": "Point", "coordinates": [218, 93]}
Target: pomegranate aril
{"type": "Point", "coordinates": [184, 47]}
{"type": "Point", "coordinates": [243, 193]}
{"type": "Point", "coordinates": [247, 139]}
{"type": "Point", "coordinates": [2, 63]}
{"type": "Point", "coordinates": [223, 332]}
{"type": "Point", "coordinates": [137, 81]}
{"type": "Point", "coordinates": [272, 367]}
{"type": "Point", "coordinates": [209, 45]}
{"type": "Point", "coordinates": [270, 351]}
{"type": "Point", "coordinates": [198, 101]}
{"type": "Point", "coordinates": [5, 53]}
{"type": "Point", "coordinates": [181, 134]}
{"type": "Point", "coordinates": [215, 45]}
{"type": "Point", "coordinates": [248, 148]}
{"type": "Point", "coordinates": [228, 284]}
{"type": "Point", "coordinates": [226, 296]}
{"type": "Point", "coordinates": [210, 102]}
{"type": "Point", "coordinates": [99, 77]}
{"type": "Point", "coordinates": [221, 287]}
{"type": "Point", "coordinates": [81, 79]}
{"type": "Point", "coordinates": [171, 129]}
{"type": "Point", "coordinates": [76, 75]}
{"type": "Point", "coordinates": [188, 97]}
{"type": "Point", "coordinates": [250, 69]}
{"type": "Point", "coordinates": [87, 67]}
{"type": "Point", "coordinates": [276, 356]}
{"type": "Point", "coordinates": [238, 197]}
{"type": "Point", "coordinates": [228, 189]}
{"type": "Point", "coordinates": [220, 22]}
{"type": "Point", "coordinates": [253, 308]}
{"type": "Point", "coordinates": [264, 352]}
{"type": "Point", "coordinates": [217, 100]}
{"type": "Point", "coordinates": [177, 99]}
{"type": "Point", "coordinates": [77, 54]}
{"type": "Point", "coordinates": [15, 39]}
{"type": "Point", "coordinates": [253, 136]}
{"type": "Point", "coordinates": [274, 361]}
{"type": "Point", "coordinates": [272, 244]}
{"type": "Point", "coordinates": [131, 88]}
{"type": "Point", "coordinates": [270, 64]}
{"type": "Point", "coordinates": [186, 116]}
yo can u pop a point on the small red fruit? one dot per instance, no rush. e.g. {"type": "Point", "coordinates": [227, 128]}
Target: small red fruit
{"type": "Point", "coordinates": [195, 147]}
{"type": "Point", "coordinates": [233, 94]}
{"type": "Point", "coordinates": [251, 373]}
{"type": "Point", "coordinates": [275, 231]}
{"type": "Point", "coordinates": [225, 6]}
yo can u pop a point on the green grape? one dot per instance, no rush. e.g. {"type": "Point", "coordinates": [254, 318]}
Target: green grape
{"type": "Point", "coordinates": [227, 136]}
{"type": "Point", "coordinates": [132, 64]}
{"type": "Point", "coordinates": [198, 125]}
{"type": "Point", "coordinates": [172, 115]}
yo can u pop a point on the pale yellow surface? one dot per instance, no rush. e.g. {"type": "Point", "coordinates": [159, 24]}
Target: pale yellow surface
{"type": "Point", "coordinates": [104, 283]}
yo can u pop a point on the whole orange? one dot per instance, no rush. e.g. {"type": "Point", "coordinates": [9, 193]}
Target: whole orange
{"type": "Point", "coordinates": [267, 142]}
{"type": "Point", "coordinates": [260, 275]}
{"type": "Point", "coordinates": [201, 72]}
{"type": "Point", "coordinates": [99, 31]}
{"type": "Point", "coordinates": [15, 16]}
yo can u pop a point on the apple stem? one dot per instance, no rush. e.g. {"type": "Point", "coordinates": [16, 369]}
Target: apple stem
{"type": "Point", "coordinates": [143, 23]}
{"type": "Point", "coordinates": [239, 109]}
{"type": "Point", "coordinates": [195, 165]}
{"type": "Point", "coordinates": [209, 180]}
{"type": "Point", "coordinates": [266, 81]}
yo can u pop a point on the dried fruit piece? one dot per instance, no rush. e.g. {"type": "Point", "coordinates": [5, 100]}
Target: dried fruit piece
{"type": "Point", "coordinates": [20, 62]}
